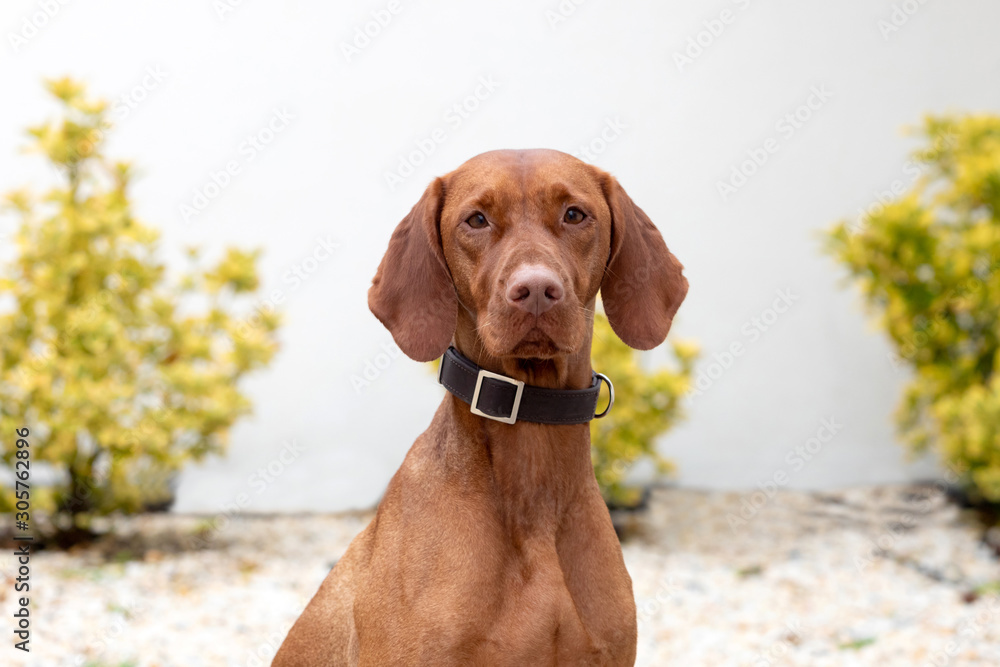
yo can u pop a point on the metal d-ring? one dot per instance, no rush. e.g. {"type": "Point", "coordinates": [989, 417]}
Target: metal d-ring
{"type": "Point", "coordinates": [611, 389]}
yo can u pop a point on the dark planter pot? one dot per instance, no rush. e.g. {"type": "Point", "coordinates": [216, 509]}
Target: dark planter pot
{"type": "Point", "coordinates": [987, 512]}
{"type": "Point", "coordinates": [165, 497]}
{"type": "Point", "coordinates": [625, 518]}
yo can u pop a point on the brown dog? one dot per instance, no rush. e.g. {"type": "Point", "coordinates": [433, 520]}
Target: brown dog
{"type": "Point", "coordinates": [492, 545]}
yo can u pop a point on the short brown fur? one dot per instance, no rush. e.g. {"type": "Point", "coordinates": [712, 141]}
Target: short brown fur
{"type": "Point", "coordinates": [492, 545]}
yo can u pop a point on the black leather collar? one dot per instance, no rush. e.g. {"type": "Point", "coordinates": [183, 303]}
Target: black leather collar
{"type": "Point", "coordinates": [508, 400]}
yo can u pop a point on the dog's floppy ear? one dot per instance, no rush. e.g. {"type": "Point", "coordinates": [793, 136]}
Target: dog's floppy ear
{"type": "Point", "coordinates": [643, 284]}
{"type": "Point", "coordinates": [412, 293]}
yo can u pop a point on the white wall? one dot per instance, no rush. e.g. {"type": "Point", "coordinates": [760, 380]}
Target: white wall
{"type": "Point", "coordinates": [683, 131]}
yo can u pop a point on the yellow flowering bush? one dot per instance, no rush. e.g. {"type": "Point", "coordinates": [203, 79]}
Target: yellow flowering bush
{"type": "Point", "coordinates": [647, 404]}
{"type": "Point", "coordinates": [120, 374]}
{"type": "Point", "coordinates": [927, 265]}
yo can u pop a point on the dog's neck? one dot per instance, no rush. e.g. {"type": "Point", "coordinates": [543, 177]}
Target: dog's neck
{"type": "Point", "coordinates": [536, 470]}
{"type": "Point", "coordinates": [568, 371]}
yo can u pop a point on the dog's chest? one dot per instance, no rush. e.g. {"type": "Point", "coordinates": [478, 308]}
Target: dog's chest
{"type": "Point", "coordinates": [538, 621]}
{"type": "Point", "coordinates": [529, 616]}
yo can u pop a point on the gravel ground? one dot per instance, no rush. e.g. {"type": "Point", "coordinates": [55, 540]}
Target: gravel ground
{"type": "Point", "coordinates": [875, 576]}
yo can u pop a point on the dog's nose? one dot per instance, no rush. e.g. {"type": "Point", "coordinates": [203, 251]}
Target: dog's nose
{"type": "Point", "coordinates": [534, 289]}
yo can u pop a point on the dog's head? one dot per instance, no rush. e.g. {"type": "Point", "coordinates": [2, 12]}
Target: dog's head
{"type": "Point", "coordinates": [521, 242]}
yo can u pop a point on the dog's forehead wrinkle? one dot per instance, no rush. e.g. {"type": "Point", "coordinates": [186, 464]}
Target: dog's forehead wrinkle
{"type": "Point", "coordinates": [525, 182]}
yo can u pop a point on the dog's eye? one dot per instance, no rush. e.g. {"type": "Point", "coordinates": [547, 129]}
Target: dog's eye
{"type": "Point", "coordinates": [574, 216]}
{"type": "Point", "coordinates": [477, 221]}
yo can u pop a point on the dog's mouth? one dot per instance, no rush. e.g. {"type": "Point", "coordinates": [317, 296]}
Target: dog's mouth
{"type": "Point", "coordinates": [536, 344]}
{"type": "Point", "coordinates": [516, 336]}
